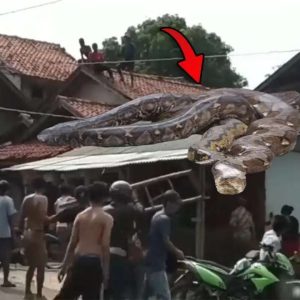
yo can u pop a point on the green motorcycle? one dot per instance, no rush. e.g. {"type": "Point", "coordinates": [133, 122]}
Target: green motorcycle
{"type": "Point", "coordinates": [250, 278]}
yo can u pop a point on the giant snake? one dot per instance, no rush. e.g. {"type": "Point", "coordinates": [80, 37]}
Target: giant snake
{"type": "Point", "coordinates": [243, 130]}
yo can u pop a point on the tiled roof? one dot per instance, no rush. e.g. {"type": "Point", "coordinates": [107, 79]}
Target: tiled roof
{"type": "Point", "coordinates": [35, 58]}
{"type": "Point", "coordinates": [29, 151]}
{"type": "Point", "coordinates": [35, 150]}
{"type": "Point", "coordinates": [150, 84]}
{"type": "Point", "coordinates": [83, 108]}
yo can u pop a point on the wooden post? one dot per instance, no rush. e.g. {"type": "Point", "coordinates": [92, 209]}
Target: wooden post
{"type": "Point", "coordinates": [200, 216]}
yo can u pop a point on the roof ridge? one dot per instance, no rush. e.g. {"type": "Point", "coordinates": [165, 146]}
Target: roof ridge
{"type": "Point", "coordinates": [29, 39]}
{"type": "Point", "coordinates": [57, 45]}
{"type": "Point", "coordinates": [83, 100]}
{"type": "Point", "coordinates": [166, 79]}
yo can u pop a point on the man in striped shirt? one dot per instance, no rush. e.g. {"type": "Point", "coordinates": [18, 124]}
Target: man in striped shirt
{"type": "Point", "coordinates": [241, 222]}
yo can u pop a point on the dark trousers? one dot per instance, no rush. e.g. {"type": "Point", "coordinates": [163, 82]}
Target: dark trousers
{"type": "Point", "coordinates": [119, 279]}
{"type": "Point", "coordinates": [84, 279]}
{"type": "Point", "coordinates": [126, 66]}
{"type": "Point", "coordinates": [101, 68]}
{"type": "Point", "coordinates": [137, 275]}
{"type": "Point", "coordinates": [5, 250]}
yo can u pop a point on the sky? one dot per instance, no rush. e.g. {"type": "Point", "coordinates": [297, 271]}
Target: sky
{"type": "Point", "coordinates": [246, 25]}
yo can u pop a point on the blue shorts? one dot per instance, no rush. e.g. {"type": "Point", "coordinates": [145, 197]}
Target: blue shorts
{"type": "Point", "coordinates": [157, 284]}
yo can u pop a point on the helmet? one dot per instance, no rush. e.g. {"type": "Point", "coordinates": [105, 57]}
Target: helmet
{"type": "Point", "coordinates": [121, 190]}
{"type": "Point", "coordinates": [4, 186]}
{"type": "Point", "coordinates": [80, 191]}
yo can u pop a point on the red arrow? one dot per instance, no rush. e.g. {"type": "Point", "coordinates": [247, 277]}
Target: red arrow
{"type": "Point", "coordinates": [192, 63]}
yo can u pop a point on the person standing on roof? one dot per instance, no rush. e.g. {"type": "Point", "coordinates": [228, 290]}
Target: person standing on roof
{"type": "Point", "coordinates": [85, 50]}
{"type": "Point", "coordinates": [128, 54]}
{"type": "Point", "coordinates": [97, 57]}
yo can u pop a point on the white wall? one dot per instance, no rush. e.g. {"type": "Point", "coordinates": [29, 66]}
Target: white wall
{"type": "Point", "coordinates": [283, 183]}
{"type": "Point", "coordinates": [15, 79]}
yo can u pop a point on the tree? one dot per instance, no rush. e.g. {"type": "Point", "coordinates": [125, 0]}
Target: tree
{"type": "Point", "coordinates": [151, 43]}
{"type": "Point", "coordinates": [275, 68]}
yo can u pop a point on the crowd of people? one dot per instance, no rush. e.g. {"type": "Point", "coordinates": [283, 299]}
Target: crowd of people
{"type": "Point", "coordinates": [282, 230]}
{"type": "Point", "coordinates": [106, 250]}
{"type": "Point", "coordinates": [108, 247]}
{"type": "Point", "coordinates": [94, 55]}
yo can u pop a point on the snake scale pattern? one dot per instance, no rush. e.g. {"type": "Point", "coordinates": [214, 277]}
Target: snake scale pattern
{"type": "Point", "coordinates": [242, 130]}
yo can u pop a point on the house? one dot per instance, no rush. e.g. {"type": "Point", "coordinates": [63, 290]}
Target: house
{"type": "Point", "coordinates": [285, 78]}
{"type": "Point", "coordinates": [82, 93]}
{"type": "Point", "coordinates": [43, 79]}
{"type": "Point", "coordinates": [36, 68]}
{"type": "Point", "coordinates": [65, 89]}
{"type": "Point", "coordinates": [282, 179]}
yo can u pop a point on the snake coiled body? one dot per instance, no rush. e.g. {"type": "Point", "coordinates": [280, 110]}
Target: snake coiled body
{"type": "Point", "coordinates": [243, 130]}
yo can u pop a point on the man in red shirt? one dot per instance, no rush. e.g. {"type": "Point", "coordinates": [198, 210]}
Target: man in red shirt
{"type": "Point", "coordinates": [97, 56]}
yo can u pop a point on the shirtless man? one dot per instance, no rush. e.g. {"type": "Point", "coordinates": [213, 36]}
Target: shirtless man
{"type": "Point", "coordinates": [34, 209]}
{"type": "Point", "coordinates": [88, 249]}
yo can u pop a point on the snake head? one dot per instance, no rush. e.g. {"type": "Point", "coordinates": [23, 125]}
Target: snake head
{"type": "Point", "coordinates": [230, 179]}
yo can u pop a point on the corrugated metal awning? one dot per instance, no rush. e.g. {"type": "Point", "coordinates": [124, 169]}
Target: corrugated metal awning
{"type": "Point", "coordinates": [109, 157]}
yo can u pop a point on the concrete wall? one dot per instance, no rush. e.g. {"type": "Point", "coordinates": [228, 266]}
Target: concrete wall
{"type": "Point", "coordinates": [87, 88]}
{"type": "Point", "coordinates": [15, 79]}
{"type": "Point", "coordinates": [95, 92]}
{"type": "Point", "coordinates": [283, 183]}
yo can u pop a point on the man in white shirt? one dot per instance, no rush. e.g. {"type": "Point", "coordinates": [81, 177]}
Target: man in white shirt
{"type": "Point", "coordinates": [66, 200]}
{"type": "Point", "coordinates": [273, 236]}
{"type": "Point", "coordinates": [7, 212]}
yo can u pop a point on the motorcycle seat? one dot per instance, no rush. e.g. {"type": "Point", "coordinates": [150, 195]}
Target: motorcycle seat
{"type": "Point", "coordinates": [215, 266]}
{"type": "Point", "coordinates": [209, 263]}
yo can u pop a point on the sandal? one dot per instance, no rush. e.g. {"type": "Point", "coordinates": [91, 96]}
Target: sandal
{"type": "Point", "coordinates": [8, 284]}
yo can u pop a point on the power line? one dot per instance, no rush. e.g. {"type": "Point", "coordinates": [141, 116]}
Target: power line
{"type": "Point", "coordinates": [180, 58]}
{"type": "Point", "coordinates": [38, 113]}
{"type": "Point", "coordinates": [29, 7]}
{"type": "Point", "coordinates": [11, 68]}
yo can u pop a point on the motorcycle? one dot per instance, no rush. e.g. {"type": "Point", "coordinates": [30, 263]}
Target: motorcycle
{"type": "Point", "coordinates": [250, 278]}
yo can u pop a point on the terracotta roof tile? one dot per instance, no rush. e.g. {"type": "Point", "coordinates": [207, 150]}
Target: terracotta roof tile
{"type": "Point", "coordinates": [30, 151]}
{"type": "Point", "coordinates": [36, 58]}
{"type": "Point", "coordinates": [83, 108]}
{"type": "Point", "coordinates": [150, 84]}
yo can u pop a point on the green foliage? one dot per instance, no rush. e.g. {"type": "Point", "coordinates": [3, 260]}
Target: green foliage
{"type": "Point", "coordinates": [150, 42]}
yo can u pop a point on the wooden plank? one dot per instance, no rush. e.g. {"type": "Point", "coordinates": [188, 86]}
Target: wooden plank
{"type": "Point", "coordinates": [184, 201]}
{"type": "Point", "coordinates": [161, 178]}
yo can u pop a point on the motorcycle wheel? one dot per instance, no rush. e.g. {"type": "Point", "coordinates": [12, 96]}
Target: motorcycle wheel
{"type": "Point", "coordinates": [186, 287]}
{"type": "Point", "coordinates": [291, 290]}
{"type": "Point", "coordinates": [288, 290]}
